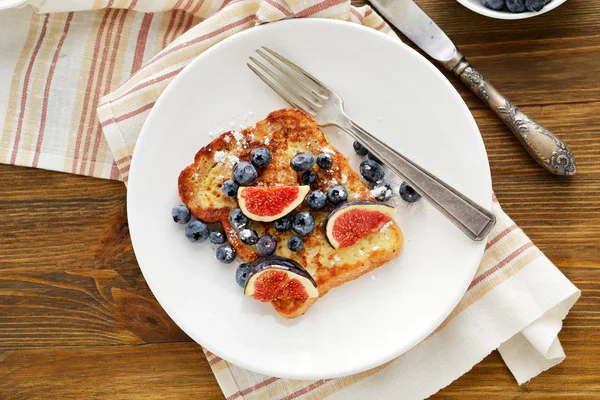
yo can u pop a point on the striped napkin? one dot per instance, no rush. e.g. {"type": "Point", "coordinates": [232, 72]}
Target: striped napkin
{"type": "Point", "coordinates": [76, 88]}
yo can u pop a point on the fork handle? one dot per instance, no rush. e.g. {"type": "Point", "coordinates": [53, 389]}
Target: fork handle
{"type": "Point", "coordinates": [474, 220]}
{"type": "Point", "coordinates": [543, 145]}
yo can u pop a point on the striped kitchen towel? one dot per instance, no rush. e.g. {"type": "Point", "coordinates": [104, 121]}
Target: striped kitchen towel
{"type": "Point", "coordinates": [57, 67]}
{"type": "Point", "coordinates": [77, 86]}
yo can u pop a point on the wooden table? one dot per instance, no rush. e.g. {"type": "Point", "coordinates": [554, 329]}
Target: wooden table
{"type": "Point", "coordinates": [77, 319]}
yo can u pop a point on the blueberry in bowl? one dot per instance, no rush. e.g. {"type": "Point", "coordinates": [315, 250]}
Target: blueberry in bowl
{"type": "Point", "coordinates": [494, 4]}
{"type": "Point", "coordinates": [511, 9]}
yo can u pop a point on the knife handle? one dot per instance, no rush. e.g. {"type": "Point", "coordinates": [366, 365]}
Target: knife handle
{"type": "Point", "coordinates": [543, 145]}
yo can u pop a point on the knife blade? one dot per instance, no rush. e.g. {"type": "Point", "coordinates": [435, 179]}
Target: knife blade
{"type": "Point", "coordinates": [408, 17]}
{"type": "Point", "coordinates": [543, 145]}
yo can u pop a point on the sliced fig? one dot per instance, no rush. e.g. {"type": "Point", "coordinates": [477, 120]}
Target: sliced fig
{"type": "Point", "coordinates": [353, 220]}
{"type": "Point", "coordinates": [278, 278]}
{"type": "Point", "coordinates": [268, 203]}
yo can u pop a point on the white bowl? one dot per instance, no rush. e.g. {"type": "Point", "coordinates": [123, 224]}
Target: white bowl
{"type": "Point", "coordinates": [475, 5]}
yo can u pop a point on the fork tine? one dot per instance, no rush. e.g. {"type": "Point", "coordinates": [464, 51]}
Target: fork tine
{"type": "Point", "coordinates": [293, 77]}
{"type": "Point", "coordinates": [296, 68]}
{"type": "Point", "coordinates": [280, 92]}
{"type": "Point", "coordinates": [311, 105]}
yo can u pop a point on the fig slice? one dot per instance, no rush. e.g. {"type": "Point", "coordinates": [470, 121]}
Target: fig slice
{"type": "Point", "coordinates": [268, 203]}
{"type": "Point", "coordinates": [279, 278]}
{"type": "Point", "coordinates": [353, 220]}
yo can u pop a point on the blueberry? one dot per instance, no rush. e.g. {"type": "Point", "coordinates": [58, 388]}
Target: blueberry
{"type": "Point", "coordinates": [516, 6]}
{"type": "Point", "coordinates": [266, 245]}
{"type": "Point", "coordinates": [248, 236]}
{"type": "Point", "coordinates": [226, 253]}
{"type": "Point", "coordinates": [372, 171]}
{"type": "Point", "coordinates": [295, 243]}
{"type": "Point", "coordinates": [324, 161]}
{"type": "Point", "coordinates": [181, 214]}
{"type": "Point", "coordinates": [337, 194]}
{"type": "Point", "coordinates": [360, 149]}
{"type": "Point", "coordinates": [382, 191]}
{"type": "Point", "coordinates": [244, 173]}
{"type": "Point", "coordinates": [303, 223]}
{"type": "Point", "coordinates": [261, 157]}
{"type": "Point", "coordinates": [230, 188]}
{"type": "Point", "coordinates": [237, 219]}
{"type": "Point", "coordinates": [217, 237]}
{"type": "Point", "coordinates": [535, 5]}
{"type": "Point", "coordinates": [241, 274]}
{"type": "Point", "coordinates": [493, 4]}
{"type": "Point", "coordinates": [408, 193]}
{"type": "Point", "coordinates": [302, 161]}
{"type": "Point", "coordinates": [372, 157]}
{"type": "Point", "coordinates": [283, 224]}
{"type": "Point", "coordinates": [196, 231]}
{"type": "Point", "coordinates": [316, 200]}
{"type": "Point", "coordinates": [309, 177]}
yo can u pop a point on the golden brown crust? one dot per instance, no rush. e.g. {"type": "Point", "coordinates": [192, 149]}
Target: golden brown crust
{"type": "Point", "coordinates": [285, 133]}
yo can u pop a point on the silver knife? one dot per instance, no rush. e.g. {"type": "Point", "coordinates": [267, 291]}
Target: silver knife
{"type": "Point", "coordinates": [544, 146]}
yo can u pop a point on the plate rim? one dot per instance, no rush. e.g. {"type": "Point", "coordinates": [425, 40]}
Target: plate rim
{"type": "Point", "coordinates": [133, 172]}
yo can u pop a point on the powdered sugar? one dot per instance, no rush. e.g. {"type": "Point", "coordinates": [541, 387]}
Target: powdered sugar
{"type": "Point", "coordinates": [220, 156]}
{"type": "Point", "coordinates": [344, 178]}
{"type": "Point", "coordinates": [245, 234]}
{"type": "Point", "coordinates": [232, 160]}
{"type": "Point", "coordinates": [223, 157]}
{"type": "Point", "coordinates": [385, 227]}
{"type": "Point", "coordinates": [382, 191]}
{"type": "Point", "coordinates": [239, 138]}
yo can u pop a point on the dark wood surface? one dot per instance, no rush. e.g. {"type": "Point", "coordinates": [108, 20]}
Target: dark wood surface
{"type": "Point", "coordinates": [77, 319]}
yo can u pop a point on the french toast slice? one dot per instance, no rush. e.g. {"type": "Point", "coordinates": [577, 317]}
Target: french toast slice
{"type": "Point", "coordinates": [285, 133]}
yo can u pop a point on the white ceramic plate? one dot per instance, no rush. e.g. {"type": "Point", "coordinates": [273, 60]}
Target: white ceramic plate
{"type": "Point", "coordinates": [475, 5]}
{"type": "Point", "coordinates": [390, 90]}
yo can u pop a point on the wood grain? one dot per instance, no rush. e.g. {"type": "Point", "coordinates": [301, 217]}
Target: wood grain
{"type": "Point", "coordinates": [77, 319]}
{"type": "Point", "coordinates": [157, 371]}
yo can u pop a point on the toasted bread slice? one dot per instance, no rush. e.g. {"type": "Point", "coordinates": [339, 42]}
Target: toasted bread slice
{"type": "Point", "coordinates": [285, 133]}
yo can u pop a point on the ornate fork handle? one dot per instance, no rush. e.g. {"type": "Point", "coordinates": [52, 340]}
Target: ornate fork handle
{"type": "Point", "coordinates": [474, 220]}
{"type": "Point", "coordinates": [543, 145]}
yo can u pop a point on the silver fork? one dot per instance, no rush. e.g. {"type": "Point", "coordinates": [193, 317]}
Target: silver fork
{"type": "Point", "coordinates": [307, 93]}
